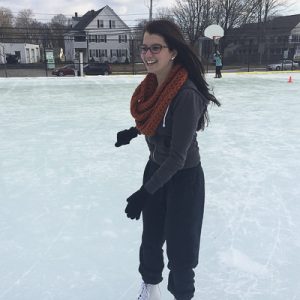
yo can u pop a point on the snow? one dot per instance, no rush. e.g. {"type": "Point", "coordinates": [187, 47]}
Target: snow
{"type": "Point", "coordinates": [63, 188]}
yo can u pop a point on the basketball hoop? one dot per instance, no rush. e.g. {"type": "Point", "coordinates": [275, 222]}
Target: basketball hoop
{"type": "Point", "coordinates": [214, 31]}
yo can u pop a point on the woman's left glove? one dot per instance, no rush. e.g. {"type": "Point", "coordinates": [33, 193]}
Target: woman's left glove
{"type": "Point", "coordinates": [136, 203]}
{"type": "Point", "coordinates": [125, 136]}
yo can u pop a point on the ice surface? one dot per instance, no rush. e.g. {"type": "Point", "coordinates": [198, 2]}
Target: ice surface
{"type": "Point", "coordinates": [63, 185]}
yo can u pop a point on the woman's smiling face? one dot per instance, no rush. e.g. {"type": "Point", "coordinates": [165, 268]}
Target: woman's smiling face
{"type": "Point", "coordinates": [161, 61]}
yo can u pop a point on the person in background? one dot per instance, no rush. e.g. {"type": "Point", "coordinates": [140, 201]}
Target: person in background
{"type": "Point", "coordinates": [169, 107]}
{"type": "Point", "coordinates": [219, 64]}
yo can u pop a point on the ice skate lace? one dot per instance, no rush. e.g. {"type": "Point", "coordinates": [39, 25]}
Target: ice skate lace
{"type": "Point", "coordinates": [144, 294]}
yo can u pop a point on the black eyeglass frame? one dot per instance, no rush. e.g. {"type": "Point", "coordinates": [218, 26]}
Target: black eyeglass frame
{"type": "Point", "coordinates": [144, 49]}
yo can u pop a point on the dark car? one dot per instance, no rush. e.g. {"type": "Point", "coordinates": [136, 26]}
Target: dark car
{"type": "Point", "coordinates": [65, 70]}
{"type": "Point", "coordinates": [97, 69]}
{"type": "Point", "coordinates": [12, 59]}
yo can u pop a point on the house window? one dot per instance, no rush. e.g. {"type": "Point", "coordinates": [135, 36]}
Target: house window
{"type": "Point", "coordinates": [32, 56]}
{"type": "Point", "coordinates": [92, 38]}
{"type": "Point", "coordinates": [93, 53]}
{"type": "Point", "coordinates": [102, 38]}
{"type": "Point", "coordinates": [113, 52]}
{"type": "Point", "coordinates": [100, 23]}
{"type": "Point", "coordinates": [295, 38]}
{"type": "Point", "coordinates": [102, 52]}
{"type": "Point", "coordinates": [112, 24]}
{"type": "Point", "coordinates": [18, 54]}
{"type": "Point", "coordinates": [80, 38]}
{"type": "Point", "coordinates": [122, 38]}
{"type": "Point", "coordinates": [118, 52]}
{"type": "Point", "coordinates": [122, 52]}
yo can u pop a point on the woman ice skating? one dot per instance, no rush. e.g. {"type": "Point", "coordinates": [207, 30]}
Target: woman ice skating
{"type": "Point", "coordinates": [169, 107]}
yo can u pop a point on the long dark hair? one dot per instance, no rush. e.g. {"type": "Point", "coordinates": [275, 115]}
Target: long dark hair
{"type": "Point", "coordinates": [186, 57]}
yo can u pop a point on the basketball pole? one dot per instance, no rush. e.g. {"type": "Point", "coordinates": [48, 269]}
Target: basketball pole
{"type": "Point", "coordinates": [150, 11]}
{"type": "Point", "coordinates": [216, 40]}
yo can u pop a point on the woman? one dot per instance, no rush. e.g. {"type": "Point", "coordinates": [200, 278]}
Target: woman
{"type": "Point", "coordinates": [169, 107]}
{"type": "Point", "coordinates": [219, 64]}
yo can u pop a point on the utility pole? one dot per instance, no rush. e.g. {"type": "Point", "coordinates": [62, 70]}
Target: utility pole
{"type": "Point", "coordinates": [150, 11]}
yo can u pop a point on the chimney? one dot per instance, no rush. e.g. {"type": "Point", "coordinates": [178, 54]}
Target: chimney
{"type": "Point", "coordinates": [76, 14]}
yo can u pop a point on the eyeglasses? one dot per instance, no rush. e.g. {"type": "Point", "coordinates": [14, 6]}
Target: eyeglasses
{"type": "Point", "coordinates": [154, 49]}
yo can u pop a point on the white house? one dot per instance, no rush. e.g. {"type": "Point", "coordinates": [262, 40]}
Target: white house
{"type": "Point", "coordinates": [100, 35]}
{"type": "Point", "coordinates": [295, 40]}
{"type": "Point", "coordinates": [27, 53]}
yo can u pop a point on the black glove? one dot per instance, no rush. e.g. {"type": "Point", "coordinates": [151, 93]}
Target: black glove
{"type": "Point", "coordinates": [136, 203]}
{"type": "Point", "coordinates": [125, 136]}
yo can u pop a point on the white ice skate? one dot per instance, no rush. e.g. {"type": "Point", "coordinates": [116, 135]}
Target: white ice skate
{"type": "Point", "coordinates": [149, 292]}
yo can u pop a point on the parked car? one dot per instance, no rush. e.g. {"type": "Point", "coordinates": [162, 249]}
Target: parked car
{"type": "Point", "coordinates": [65, 70]}
{"type": "Point", "coordinates": [282, 65]}
{"type": "Point", "coordinates": [96, 68]}
{"type": "Point", "coordinates": [12, 59]}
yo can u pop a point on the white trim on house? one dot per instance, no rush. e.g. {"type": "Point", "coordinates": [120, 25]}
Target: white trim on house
{"type": "Point", "coordinates": [295, 41]}
{"type": "Point", "coordinates": [2, 55]}
{"type": "Point", "coordinates": [295, 34]}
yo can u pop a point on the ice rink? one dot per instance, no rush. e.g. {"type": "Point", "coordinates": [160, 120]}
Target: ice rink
{"type": "Point", "coordinates": [63, 188]}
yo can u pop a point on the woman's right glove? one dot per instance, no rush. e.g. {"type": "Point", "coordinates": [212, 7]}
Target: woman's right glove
{"type": "Point", "coordinates": [125, 136]}
{"type": "Point", "coordinates": [136, 202]}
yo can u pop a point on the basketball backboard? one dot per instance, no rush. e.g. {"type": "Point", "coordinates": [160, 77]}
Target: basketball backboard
{"type": "Point", "coordinates": [214, 30]}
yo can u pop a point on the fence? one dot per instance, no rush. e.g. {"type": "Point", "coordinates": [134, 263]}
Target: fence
{"type": "Point", "coordinates": [243, 54]}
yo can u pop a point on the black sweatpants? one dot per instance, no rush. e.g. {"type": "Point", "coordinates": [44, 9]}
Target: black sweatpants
{"type": "Point", "coordinates": [218, 71]}
{"type": "Point", "coordinates": [173, 215]}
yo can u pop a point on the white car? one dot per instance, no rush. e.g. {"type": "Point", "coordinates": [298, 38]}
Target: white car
{"type": "Point", "coordinates": [283, 65]}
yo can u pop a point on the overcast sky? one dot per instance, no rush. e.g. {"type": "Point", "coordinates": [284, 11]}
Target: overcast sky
{"type": "Point", "coordinates": [128, 10]}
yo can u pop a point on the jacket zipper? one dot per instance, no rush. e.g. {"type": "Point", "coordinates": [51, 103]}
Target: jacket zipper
{"type": "Point", "coordinates": [164, 120]}
{"type": "Point", "coordinates": [153, 157]}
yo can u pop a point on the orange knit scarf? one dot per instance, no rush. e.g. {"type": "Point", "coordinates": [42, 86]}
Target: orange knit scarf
{"type": "Point", "coordinates": [149, 103]}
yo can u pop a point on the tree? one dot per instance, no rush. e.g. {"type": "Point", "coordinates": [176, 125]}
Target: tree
{"type": "Point", "coordinates": [267, 8]}
{"type": "Point", "coordinates": [193, 16]}
{"type": "Point", "coordinates": [58, 26]}
{"type": "Point", "coordinates": [60, 20]}
{"type": "Point", "coordinates": [24, 18]}
{"type": "Point", "coordinates": [233, 13]}
{"type": "Point", "coordinates": [6, 22]}
{"type": "Point", "coordinates": [164, 13]}
{"type": "Point", "coordinates": [6, 17]}
{"type": "Point", "coordinates": [24, 24]}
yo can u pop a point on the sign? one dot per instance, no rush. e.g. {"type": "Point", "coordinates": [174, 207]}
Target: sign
{"type": "Point", "coordinates": [50, 59]}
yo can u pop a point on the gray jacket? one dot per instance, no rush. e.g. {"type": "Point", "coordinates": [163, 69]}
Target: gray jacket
{"type": "Point", "coordinates": [174, 145]}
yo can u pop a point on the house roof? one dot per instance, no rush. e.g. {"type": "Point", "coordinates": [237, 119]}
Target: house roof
{"type": "Point", "coordinates": [287, 22]}
{"type": "Point", "coordinates": [86, 19]}
{"type": "Point", "coordinates": [277, 25]}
